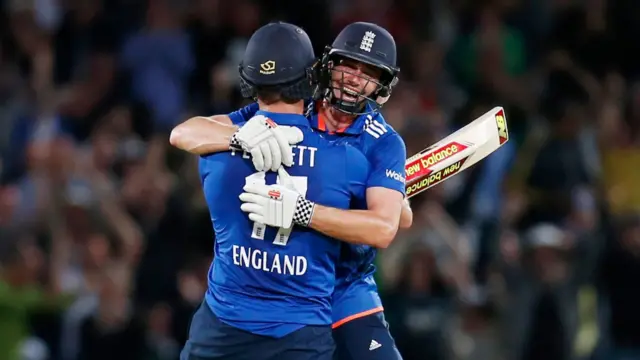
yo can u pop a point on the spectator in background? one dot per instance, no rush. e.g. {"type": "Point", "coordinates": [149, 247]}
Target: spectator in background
{"type": "Point", "coordinates": [431, 273]}
{"type": "Point", "coordinates": [115, 331]}
{"type": "Point", "coordinates": [558, 197]}
{"type": "Point", "coordinates": [84, 29]}
{"type": "Point", "coordinates": [618, 127]}
{"type": "Point", "coordinates": [420, 307]}
{"type": "Point", "coordinates": [159, 61]}
{"type": "Point", "coordinates": [209, 34]}
{"type": "Point", "coordinates": [21, 293]}
{"type": "Point", "coordinates": [475, 334]}
{"type": "Point", "coordinates": [619, 272]}
{"type": "Point", "coordinates": [544, 272]}
{"type": "Point", "coordinates": [493, 56]}
{"type": "Point", "coordinates": [160, 341]}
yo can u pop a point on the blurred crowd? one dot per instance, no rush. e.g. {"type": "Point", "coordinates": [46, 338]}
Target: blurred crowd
{"type": "Point", "coordinates": [534, 253]}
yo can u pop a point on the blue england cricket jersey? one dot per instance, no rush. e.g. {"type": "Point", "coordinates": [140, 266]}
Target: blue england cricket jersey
{"type": "Point", "coordinates": [356, 291]}
{"type": "Point", "coordinates": [258, 285]}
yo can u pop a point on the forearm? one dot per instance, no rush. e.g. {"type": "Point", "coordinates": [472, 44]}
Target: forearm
{"type": "Point", "coordinates": [406, 216]}
{"type": "Point", "coordinates": [362, 227]}
{"type": "Point", "coordinates": [203, 135]}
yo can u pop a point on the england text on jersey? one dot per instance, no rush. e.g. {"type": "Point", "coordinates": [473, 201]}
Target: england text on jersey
{"type": "Point", "coordinates": [271, 262]}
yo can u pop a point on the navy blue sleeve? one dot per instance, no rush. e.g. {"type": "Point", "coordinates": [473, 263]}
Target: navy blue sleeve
{"type": "Point", "coordinates": [244, 114]}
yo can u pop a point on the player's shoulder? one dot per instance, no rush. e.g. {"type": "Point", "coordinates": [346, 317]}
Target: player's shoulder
{"type": "Point", "coordinates": [357, 165]}
{"type": "Point", "coordinates": [352, 153]}
{"type": "Point", "coordinates": [378, 134]}
{"type": "Point", "coordinates": [377, 128]}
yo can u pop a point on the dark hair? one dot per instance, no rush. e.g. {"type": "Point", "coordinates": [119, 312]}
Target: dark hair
{"type": "Point", "coordinates": [272, 96]}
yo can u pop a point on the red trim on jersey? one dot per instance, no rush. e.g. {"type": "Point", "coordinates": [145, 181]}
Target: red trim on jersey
{"type": "Point", "coordinates": [356, 316]}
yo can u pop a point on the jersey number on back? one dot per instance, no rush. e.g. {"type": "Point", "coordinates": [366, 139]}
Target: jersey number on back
{"type": "Point", "coordinates": [300, 185]}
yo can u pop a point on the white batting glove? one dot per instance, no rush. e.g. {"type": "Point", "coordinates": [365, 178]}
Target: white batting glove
{"type": "Point", "coordinates": [268, 143]}
{"type": "Point", "coordinates": [277, 205]}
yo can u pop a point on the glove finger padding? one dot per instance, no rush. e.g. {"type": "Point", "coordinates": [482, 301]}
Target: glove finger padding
{"type": "Point", "coordinates": [252, 208]}
{"type": "Point", "coordinates": [292, 134]}
{"type": "Point", "coordinates": [254, 198]}
{"type": "Point", "coordinates": [256, 218]}
{"type": "Point", "coordinates": [283, 135]}
{"type": "Point", "coordinates": [255, 140]}
{"type": "Point", "coordinates": [257, 159]}
{"type": "Point", "coordinates": [253, 132]}
{"type": "Point", "coordinates": [275, 151]}
{"type": "Point", "coordinates": [276, 204]}
{"type": "Point", "coordinates": [266, 154]}
{"type": "Point", "coordinates": [256, 189]}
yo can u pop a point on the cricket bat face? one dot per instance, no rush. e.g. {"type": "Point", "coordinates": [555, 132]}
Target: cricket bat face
{"type": "Point", "coordinates": [456, 152]}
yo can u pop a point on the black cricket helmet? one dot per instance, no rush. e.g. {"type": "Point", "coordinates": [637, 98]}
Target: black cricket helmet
{"type": "Point", "coordinates": [365, 43]}
{"type": "Point", "coordinates": [279, 57]}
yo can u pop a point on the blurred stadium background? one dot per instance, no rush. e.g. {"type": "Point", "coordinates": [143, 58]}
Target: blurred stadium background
{"type": "Point", "coordinates": [533, 254]}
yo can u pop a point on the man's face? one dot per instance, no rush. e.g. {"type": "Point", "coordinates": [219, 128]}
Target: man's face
{"type": "Point", "coordinates": [357, 78]}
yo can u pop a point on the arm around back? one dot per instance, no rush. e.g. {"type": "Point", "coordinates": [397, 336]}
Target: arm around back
{"type": "Point", "coordinates": [203, 135]}
{"type": "Point", "coordinates": [376, 226]}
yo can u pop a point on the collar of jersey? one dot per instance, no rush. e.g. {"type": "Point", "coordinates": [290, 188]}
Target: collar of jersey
{"type": "Point", "coordinates": [286, 119]}
{"type": "Point", "coordinates": [318, 122]}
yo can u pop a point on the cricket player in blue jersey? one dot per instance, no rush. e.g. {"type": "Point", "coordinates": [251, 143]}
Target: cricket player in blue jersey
{"type": "Point", "coordinates": [357, 75]}
{"type": "Point", "coordinates": [270, 287]}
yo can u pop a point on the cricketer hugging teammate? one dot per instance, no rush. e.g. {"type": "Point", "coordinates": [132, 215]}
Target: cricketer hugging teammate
{"type": "Point", "coordinates": [303, 186]}
{"type": "Point", "coordinates": [293, 271]}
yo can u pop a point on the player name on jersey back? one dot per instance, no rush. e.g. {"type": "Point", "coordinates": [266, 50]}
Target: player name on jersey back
{"type": "Point", "coordinates": [302, 155]}
{"type": "Point", "coordinates": [256, 282]}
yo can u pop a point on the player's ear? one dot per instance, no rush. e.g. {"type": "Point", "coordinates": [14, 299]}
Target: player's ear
{"type": "Point", "coordinates": [385, 91]}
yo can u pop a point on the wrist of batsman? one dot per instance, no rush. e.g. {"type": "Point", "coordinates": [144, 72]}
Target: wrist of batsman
{"type": "Point", "coordinates": [234, 143]}
{"type": "Point", "coordinates": [304, 211]}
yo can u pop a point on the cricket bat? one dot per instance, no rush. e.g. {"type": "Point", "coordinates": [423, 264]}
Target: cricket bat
{"type": "Point", "coordinates": [457, 152]}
